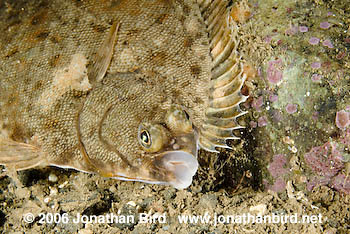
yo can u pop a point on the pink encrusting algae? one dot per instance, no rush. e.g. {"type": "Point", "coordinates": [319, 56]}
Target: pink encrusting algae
{"type": "Point", "coordinates": [273, 98]}
{"type": "Point", "coordinates": [303, 29]}
{"type": "Point", "coordinates": [342, 119]}
{"type": "Point", "coordinates": [257, 103]}
{"type": "Point", "coordinates": [262, 121]}
{"type": "Point", "coordinates": [276, 167]}
{"type": "Point", "coordinates": [317, 181]}
{"type": "Point", "coordinates": [314, 40]}
{"type": "Point", "coordinates": [278, 170]}
{"type": "Point", "coordinates": [328, 44]}
{"type": "Point", "coordinates": [325, 25]}
{"type": "Point", "coordinates": [341, 183]}
{"type": "Point", "coordinates": [253, 124]}
{"type": "Point", "coordinates": [325, 160]}
{"type": "Point", "coordinates": [291, 108]}
{"type": "Point", "coordinates": [278, 186]}
{"type": "Point", "coordinates": [275, 71]}
{"type": "Point", "coordinates": [316, 65]}
{"type": "Point", "coordinates": [316, 77]}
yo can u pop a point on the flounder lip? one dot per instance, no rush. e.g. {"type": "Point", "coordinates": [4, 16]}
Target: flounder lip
{"type": "Point", "coordinates": [182, 166]}
{"type": "Point", "coordinates": [175, 168]}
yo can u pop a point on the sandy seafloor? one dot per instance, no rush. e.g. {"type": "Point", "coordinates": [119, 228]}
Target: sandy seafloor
{"type": "Point", "coordinates": [293, 157]}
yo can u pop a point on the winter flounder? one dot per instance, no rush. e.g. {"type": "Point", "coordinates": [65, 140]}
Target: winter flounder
{"type": "Point", "coordinates": [127, 89]}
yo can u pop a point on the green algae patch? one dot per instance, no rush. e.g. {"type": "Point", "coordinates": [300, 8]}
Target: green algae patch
{"type": "Point", "coordinates": [297, 87]}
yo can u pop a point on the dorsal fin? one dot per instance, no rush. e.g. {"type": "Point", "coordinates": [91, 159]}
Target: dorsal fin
{"type": "Point", "coordinates": [104, 55]}
{"type": "Point", "coordinates": [227, 76]}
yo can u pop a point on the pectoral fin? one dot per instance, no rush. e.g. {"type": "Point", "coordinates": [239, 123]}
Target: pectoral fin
{"type": "Point", "coordinates": [20, 156]}
{"type": "Point", "coordinates": [104, 55]}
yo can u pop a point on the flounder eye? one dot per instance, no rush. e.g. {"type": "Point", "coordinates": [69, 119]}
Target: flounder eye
{"type": "Point", "coordinates": [152, 138]}
{"type": "Point", "coordinates": [145, 139]}
{"type": "Point", "coordinates": [178, 120]}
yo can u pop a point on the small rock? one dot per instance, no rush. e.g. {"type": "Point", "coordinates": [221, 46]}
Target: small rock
{"type": "Point", "coordinates": [260, 209]}
{"type": "Point", "coordinates": [166, 227]}
{"type": "Point", "coordinates": [53, 178]}
{"type": "Point", "coordinates": [342, 119]}
{"type": "Point", "coordinates": [131, 203]}
{"type": "Point", "coordinates": [85, 231]}
{"type": "Point", "coordinates": [47, 200]}
{"type": "Point", "coordinates": [53, 191]}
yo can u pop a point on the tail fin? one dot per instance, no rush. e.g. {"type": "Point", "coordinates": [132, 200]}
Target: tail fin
{"type": "Point", "coordinates": [20, 156]}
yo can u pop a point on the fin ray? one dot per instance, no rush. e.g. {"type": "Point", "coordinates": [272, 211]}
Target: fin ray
{"type": "Point", "coordinates": [20, 156]}
{"type": "Point", "coordinates": [227, 77]}
{"type": "Point", "coordinates": [104, 55]}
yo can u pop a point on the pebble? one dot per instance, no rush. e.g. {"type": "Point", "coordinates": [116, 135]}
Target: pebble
{"type": "Point", "coordinates": [85, 231]}
{"type": "Point", "coordinates": [260, 209]}
{"type": "Point", "coordinates": [47, 200]}
{"type": "Point", "coordinates": [53, 191]}
{"type": "Point", "coordinates": [131, 203]}
{"type": "Point", "coordinates": [53, 178]}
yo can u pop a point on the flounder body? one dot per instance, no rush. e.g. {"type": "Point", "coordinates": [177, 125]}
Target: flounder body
{"type": "Point", "coordinates": [128, 89]}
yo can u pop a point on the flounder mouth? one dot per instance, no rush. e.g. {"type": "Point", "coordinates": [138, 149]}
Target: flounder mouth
{"type": "Point", "coordinates": [175, 168]}
{"type": "Point", "coordinates": [180, 166]}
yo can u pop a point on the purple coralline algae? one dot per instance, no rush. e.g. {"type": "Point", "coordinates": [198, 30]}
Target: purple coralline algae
{"type": "Point", "coordinates": [262, 121]}
{"type": "Point", "coordinates": [273, 98]}
{"type": "Point", "coordinates": [317, 181]}
{"type": "Point", "coordinates": [291, 108]}
{"type": "Point", "coordinates": [276, 167]}
{"type": "Point", "coordinates": [274, 71]}
{"type": "Point", "coordinates": [327, 163]}
{"type": "Point", "coordinates": [303, 29]}
{"type": "Point", "coordinates": [325, 25]}
{"type": "Point", "coordinates": [278, 170]}
{"type": "Point", "coordinates": [342, 119]}
{"type": "Point", "coordinates": [341, 183]}
{"type": "Point", "coordinates": [316, 77]}
{"type": "Point", "coordinates": [314, 40]}
{"type": "Point", "coordinates": [257, 103]}
{"type": "Point", "coordinates": [253, 124]}
{"type": "Point", "coordinates": [328, 44]}
{"type": "Point", "coordinates": [316, 65]}
{"type": "Point", "coordinates": [278, 186]}
{"type": "Point", "coordinates": [325, 160]}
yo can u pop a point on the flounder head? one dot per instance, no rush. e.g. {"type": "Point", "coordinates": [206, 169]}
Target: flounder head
{"type": "Point", "coordinates": [128, 132]}
{"type": "Point", "coordinates": [174, 147]}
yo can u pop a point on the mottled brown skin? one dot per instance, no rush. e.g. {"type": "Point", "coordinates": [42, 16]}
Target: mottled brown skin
{"type": "Point", "coordinates": [161, 58]}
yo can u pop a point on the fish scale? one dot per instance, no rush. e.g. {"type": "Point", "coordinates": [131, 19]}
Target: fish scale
{"type": "Point", "coordinates": [126, 89]}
